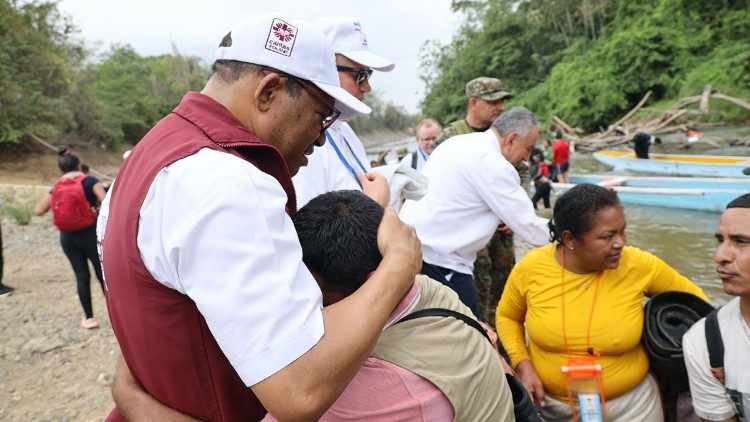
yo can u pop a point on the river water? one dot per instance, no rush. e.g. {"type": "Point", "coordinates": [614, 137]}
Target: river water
{"type": "Point", "coordinates": [682, 238]}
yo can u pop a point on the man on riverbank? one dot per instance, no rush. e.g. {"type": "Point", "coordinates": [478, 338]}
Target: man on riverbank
{"type": "Point", "coordinates": [336, 164]}
{"type": "Point", "coordinates": [485, 101]}
{"type": "Point", "coordinates": [561, 158]}
{"type": "Point", "coordinates": [428, 131]}
{"type": "Point", "coordinates": [473, 188]}
{"type": "Point", "coordinates": [723, 393]}
{"type": "Point", "coordinates": [213, 309]}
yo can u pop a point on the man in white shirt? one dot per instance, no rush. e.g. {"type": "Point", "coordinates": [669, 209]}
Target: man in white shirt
{"type": "Point", "coordinates": [336, 164]}
{"type": "Point", "coordinates": [213, 309]}
{"type": "Point", "coordinates": [728, 399]}
{"type": "Point", "coordinates": [427, 133]}
{"type": "Point", "coordinates": [473, 188]}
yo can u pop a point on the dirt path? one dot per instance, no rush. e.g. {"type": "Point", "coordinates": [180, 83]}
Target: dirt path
{"type": "Point", "coordinates": [50, 368]}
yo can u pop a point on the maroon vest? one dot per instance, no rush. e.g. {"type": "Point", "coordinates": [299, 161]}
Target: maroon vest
{"type": "Point", "coordinates": [164, 339]}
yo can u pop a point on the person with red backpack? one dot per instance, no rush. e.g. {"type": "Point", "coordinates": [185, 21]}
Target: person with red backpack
{"type": "Point", "coordinates": [73, 201]}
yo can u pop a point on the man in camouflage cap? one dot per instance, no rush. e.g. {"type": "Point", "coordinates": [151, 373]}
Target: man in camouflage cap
{"type": "Point", "coordinates": [485, 100]}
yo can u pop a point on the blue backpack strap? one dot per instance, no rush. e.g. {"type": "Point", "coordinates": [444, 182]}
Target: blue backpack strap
{"type": "Point", "coordinates": [715, 346]}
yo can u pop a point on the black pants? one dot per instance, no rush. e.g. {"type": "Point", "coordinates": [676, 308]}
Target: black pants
{"type": "Point", "coordinates": [461, 283]}
{"type": "Point", "coordinates": [80, 246]}
{"type": "Point", "coordinates": [542, 192]}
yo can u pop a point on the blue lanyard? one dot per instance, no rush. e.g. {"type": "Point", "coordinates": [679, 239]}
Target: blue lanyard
{"type": "Point", "coordinates": [343, 160]}
{"type": "Point", "coordinates": [424, 157]}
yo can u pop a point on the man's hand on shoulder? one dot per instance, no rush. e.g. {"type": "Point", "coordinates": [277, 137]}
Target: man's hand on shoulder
{"type": "Point", "coordinates": [375, 186]}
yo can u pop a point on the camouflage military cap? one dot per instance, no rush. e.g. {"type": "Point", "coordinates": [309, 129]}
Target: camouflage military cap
{"type": "Point", "coordinates": [489, 89]}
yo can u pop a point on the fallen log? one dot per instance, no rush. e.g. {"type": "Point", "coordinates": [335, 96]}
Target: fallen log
{"type": "Point", "coordinates": [666, 123]}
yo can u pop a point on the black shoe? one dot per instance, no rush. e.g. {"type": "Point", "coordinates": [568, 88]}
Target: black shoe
{"type": "Point", "coordinates": [5, 290]}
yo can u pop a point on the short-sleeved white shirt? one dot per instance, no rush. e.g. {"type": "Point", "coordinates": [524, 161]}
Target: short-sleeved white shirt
{"type": "Point", "coordinates": [711, 400]}
{"type": "Point", "coordinates": [326, 171]}
{"type": "Point", "coordinates": [213, 227]}
{"type": "Point", "coordinates": [472, 189]}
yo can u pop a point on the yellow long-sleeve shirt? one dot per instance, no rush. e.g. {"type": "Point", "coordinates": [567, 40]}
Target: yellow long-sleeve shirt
{"type": "Point", "coordinates": [533, 295]}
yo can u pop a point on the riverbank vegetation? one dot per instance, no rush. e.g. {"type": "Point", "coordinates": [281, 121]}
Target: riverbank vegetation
{"type": "Point", "coordinates": [55, 86]}
{"type": "Point", "coordinates": [590, 61]}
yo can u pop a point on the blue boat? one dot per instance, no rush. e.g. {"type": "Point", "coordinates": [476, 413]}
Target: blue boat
{"type": "Point", "coordinates": [695, 193]}
{"type": "Point", "coordinates": [676, 164]}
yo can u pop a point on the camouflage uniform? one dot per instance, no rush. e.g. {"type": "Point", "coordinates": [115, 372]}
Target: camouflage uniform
{"type": "Point", "coordinates": [459, 127]}
{"type": "Point", "coordinates": [494, 262]}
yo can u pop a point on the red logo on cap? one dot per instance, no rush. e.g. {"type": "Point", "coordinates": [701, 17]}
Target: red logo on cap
{"type": "Point", "coordinates": [282, 31]}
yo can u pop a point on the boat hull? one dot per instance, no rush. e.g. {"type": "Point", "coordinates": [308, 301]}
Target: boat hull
{"type": "Point", "coordinates": [676, 164]}
{"type": "Point", "coordinates": [705, 194]}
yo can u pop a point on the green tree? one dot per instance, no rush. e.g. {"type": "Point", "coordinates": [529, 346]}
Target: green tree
{"type": "Point", "coordinates": [38, 59]}
{"type": "Point", "coordinates": [589, 61]}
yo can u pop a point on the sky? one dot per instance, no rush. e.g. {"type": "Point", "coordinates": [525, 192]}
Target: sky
{"type": "Point", "coordinates": [395, 29]}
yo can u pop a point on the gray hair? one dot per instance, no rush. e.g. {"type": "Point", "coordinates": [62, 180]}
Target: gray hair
{"type": "Point", "coordinates": [518, 119]}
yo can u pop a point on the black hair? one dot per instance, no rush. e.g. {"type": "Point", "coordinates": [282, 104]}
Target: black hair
{"type": "Point", "coordinates": [66, 161]}
{"type": "Point", "coordinates": [338, 232]}
{"type": "Point", "coordinates": [742, 201]}
{"type": "Point", "coordinates": [641, 137]}
{"type": "Point", "coordinates": [576, 209]}
{"type": "Point", "coordinates": [234, 70]}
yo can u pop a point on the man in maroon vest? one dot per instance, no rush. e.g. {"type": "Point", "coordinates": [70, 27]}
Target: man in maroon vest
{"type": "Point", "coordinates": [215, 314]}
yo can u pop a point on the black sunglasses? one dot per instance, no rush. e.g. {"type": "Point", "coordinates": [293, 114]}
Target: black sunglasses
{"type": "Point", "coordinates": [362, 74]}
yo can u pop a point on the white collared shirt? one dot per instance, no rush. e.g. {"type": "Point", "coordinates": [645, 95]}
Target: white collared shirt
{"type": "Point", "coordinates": [711, 399]}
{"type": "Point", "coordinates": [213, 227]}
{"type": "Point", "coordinates": [326, 171]}
{"type": "Point", "coordinates": [472, 189]}
{"type": "Point", "coordinates": [421, 158]}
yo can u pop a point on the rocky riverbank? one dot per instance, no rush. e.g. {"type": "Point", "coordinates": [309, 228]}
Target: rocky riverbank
{"type": "Point", "coordinates": [50, 368]}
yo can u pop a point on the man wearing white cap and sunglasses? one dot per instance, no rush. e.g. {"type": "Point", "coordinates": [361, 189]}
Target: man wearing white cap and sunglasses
{"type": "Point", "coordinates": [214, 311]}
{"type": "Point", "coordinates": [338, 163]}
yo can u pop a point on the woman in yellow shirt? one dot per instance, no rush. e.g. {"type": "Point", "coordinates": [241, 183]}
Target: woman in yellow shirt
{"type": "Point", "coordinates": [582, 296]}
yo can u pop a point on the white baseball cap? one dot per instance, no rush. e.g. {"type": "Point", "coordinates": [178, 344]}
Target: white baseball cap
{"type": "Point", "coordinates": [291, 46]}
{"type": "Point", "coordinates": [349, 40]}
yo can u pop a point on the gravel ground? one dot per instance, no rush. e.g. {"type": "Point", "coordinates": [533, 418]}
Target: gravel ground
{"type": "Point", "coordinates": [50, 368]}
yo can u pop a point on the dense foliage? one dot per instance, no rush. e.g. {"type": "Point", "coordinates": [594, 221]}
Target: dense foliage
{"type": "Point", "coordinates": [53, 86]}
{"type": "Point", "coordinates": [590, 61]}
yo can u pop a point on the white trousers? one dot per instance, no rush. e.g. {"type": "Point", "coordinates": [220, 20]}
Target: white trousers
{"type": "Point", "coordinates": [641, 404]}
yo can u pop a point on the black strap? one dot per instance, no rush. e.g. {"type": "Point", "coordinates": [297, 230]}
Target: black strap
{"type": "Point", "coordinates": [414, 159]}
{"type": "Point", "coordinates": [714, 341]}
{"type": "Point", "coordinates": [441, 312]}
{"type": "Point", "coordinates": [523, 407]}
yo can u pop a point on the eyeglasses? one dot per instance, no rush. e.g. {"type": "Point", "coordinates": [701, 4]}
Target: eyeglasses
{"type": "Point", "coordinates": [363, 75]}
{"type": "Point", "coordinates": [333, 112]}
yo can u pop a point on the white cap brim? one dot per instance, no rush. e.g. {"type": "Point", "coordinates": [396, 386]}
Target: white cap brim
{"type": "Point", "coordinates": [346, 103]}
{"type": "Point", "coordinates": [369, 59]}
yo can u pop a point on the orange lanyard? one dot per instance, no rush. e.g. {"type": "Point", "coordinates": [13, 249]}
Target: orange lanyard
{"type": "Point", "coordinates": [589, 349]}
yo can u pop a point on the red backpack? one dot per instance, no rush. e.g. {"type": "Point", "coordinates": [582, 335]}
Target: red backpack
{"type": "Point", "coordinates": [70, 209]}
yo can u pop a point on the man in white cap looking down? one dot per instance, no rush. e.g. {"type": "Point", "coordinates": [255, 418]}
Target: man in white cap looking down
{"type": "Point", "coordinates": [215, 313]}
{"type": "Point", "coordinates": [338, 164]}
